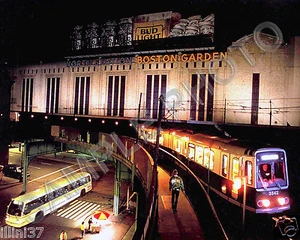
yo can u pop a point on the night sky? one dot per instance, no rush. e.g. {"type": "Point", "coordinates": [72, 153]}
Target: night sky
{"type": "Point", "coordinates": [39, 30]}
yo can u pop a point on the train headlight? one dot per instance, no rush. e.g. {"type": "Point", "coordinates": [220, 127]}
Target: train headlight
{"type": "Point", "coordinates": [283, 201]}
{"type": "Point", "coordinates": [264, 203]}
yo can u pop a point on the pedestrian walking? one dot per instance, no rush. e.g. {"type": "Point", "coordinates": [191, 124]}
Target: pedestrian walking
{"type": "Point", "coordinates": [90, 224]}
{"type": "Point", "coordinates": [175, 185]}
{"type": "Point", "coordinates": [63, 235]}
{"type": "Point", "coordinates": [82, 228]}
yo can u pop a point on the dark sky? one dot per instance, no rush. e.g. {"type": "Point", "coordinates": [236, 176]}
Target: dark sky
{"type": "Point", "coordinates": [42, 27]}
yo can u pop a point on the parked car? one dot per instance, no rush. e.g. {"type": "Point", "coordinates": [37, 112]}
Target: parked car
{"type": "Point", "coordinates": [14, 171]}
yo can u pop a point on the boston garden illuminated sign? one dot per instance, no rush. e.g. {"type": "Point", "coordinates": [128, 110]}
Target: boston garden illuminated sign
{"type": "Point", "coordinates": [193, 57]}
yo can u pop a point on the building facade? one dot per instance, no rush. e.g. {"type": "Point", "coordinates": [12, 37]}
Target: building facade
{"type": "Point", "coordinates": [120, 69]}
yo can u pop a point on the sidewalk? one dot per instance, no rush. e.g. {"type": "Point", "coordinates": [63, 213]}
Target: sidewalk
{"type": "Point", "coordinates": [182, 225]}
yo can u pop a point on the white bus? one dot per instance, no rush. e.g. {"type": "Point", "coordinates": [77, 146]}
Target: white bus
{"type": "Point", "coordinates": [33, 206]}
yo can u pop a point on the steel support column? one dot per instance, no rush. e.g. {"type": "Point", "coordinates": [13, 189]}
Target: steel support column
{"type": "Point", "coordinates": [117, 185]}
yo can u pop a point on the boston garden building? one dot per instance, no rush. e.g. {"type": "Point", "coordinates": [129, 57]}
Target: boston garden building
{"type": "Point", "coordinates": [123, 68]}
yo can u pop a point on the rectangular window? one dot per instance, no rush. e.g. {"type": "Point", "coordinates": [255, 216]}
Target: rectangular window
{"type": "Point", "coordinates": [178, 145]}
{"type": "Point", "coordinates": [156, 85]}
{"type": "Point", "coordinates": [224, 165]}
{"type": "Point", "coordinates": [191, 151]}
{"type": "Point", "coordinates": [76, 95]}
{"type": "Point", "coordinates": [148, 95]}
{"type": "Point", "coordinates": [116, 95]}
{"type": "Point", "coordinates": [255, 98]}
{"type": "Point", "coordinates": [201, 104]}
{"type": "Point", "coordinates": [27, 95]}
{"type": "Point", "coordinates": [248, 172]}
{"type": "Point", "coordinates": [206, 157]}
{"type": "Point", "coordinates": [193, 97]}
{"type": "Point", "coordinates": [235, 168]}
{"type": "Point", "coordinates": [82, 94]}
{"type": "Point", "coordinates": [109, 95]}
{"type": "Point", "coordinates": [210, 97]}
{"type": "Point", "coordinates": [163, 91]}
{"type": "Point", "coordinates": [87, 96]}
{"type": "Point", "coordinates": [199, 154]}
{"type": "Point", "coordinates": [122, 96]}
{"type": "Point", "coordinates": [155, 97]}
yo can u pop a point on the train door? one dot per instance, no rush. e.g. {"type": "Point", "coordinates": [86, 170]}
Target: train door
{"type": "Point", "coordinates": [235, 173]}
{"type": "Point", "coordinates": [248, 171]}
{"type": "Point", "coordinates": [215, 157]}
{"type": "Point", "coordinates": [224, 164]}
{"type": "Point", "coordinates": [224, 171]}
{"type": "Point", "coordinates": [169, 138]}
{"type": "Point", "coordinates": [184, 146]}
{"type": "Point", "coordinates": [177, 144]}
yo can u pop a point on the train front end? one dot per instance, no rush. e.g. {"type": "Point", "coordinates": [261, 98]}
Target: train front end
{"type": "Point", "coordinates": [272, 182]}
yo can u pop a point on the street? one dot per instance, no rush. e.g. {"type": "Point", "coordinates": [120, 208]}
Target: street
{"type": "Point", "coordinates": [70, 216]}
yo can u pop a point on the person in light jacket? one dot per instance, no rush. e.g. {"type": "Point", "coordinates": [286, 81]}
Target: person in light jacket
{"type": "Point", "coordinates": [175, 185]}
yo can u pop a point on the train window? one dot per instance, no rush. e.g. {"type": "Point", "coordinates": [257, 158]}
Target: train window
{"type": "Point", "coordinates": [211, 162]}
{"type": "Point", "coordinates": [191, 151]}
{"type": "Point", "coordinates": [206, 157]}
{"type": "Point", "coordinates": [235, 167]}
{"type": "Point", "coordinates": [224, 165]}
{"type": "Point", "coordinates": [209, 158]}
{"type": "Point", "coordinates": [177, 145]}
{"type": "Point", "coordinates": [199, 155]}
{"type": "Point", "coordinates": [279, 170]}
{"type": "Point", "coordinates": [265, 172]}
{"type": "Point", "coordinates": [248, 172]}
{"type": "Point", "coordinates": [272, 174]}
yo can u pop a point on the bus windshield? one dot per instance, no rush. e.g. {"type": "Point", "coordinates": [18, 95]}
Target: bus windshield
{"type": "Point", "coordinates": [15, 208]}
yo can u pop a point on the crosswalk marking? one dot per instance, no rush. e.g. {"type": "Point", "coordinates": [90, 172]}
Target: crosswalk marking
{"type": "Point", "coordinates": [78, 210]}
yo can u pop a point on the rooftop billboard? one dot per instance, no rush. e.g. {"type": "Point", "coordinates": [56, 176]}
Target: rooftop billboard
{"type": "Point", "coordinates": [143, 27]}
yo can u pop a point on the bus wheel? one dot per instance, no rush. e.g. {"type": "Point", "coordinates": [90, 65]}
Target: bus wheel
{"type": "Point", "coordinates": [39, 217]}
{"type": "Point", "coordinates": [82, 192]}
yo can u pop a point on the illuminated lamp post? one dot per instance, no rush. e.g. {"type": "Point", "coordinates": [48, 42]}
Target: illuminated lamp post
{"type": "Point", "coordinates": [237, 184]}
